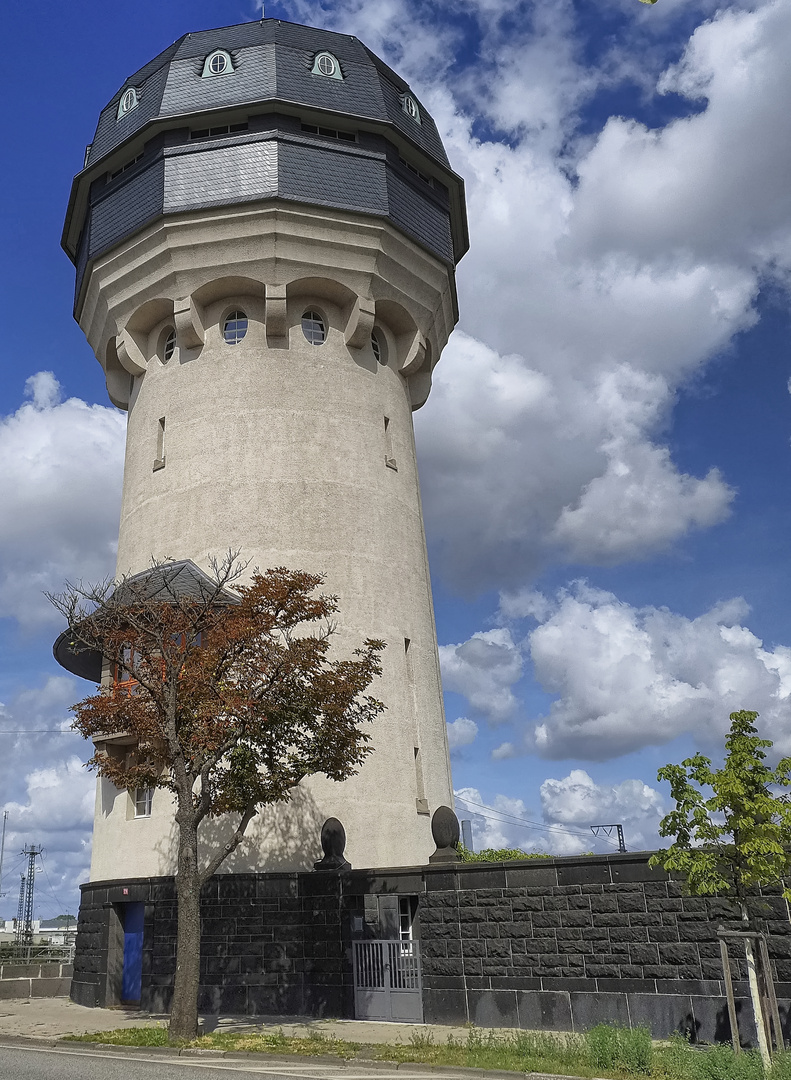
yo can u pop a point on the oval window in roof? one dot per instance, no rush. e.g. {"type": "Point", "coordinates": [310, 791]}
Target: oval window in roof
{"type": "Point", "coordinates": [410, 107]}
{"type": "Point", "coordinates": [327, 65]}
{"type": "Point", "coordinates": [217, 63]}
{"type": "Point", "coordinates": [128, 102]}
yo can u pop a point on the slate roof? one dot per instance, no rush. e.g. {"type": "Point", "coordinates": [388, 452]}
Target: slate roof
{"type": "Point", "coordinates": [272, 59]}
{"type": "Point", "coordinates": [150, 163]}
{"type": "Point", "coordinates": [172, 582]}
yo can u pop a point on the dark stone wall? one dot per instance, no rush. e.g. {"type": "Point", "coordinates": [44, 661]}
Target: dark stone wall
{"type": "Point", "coordinates": [543, 944]}
{"type": "Point", "coordinates": [568, 943]}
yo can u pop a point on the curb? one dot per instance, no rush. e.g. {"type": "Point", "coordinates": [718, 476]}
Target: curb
{"type": "Point", "coordinates": [59, 1043]}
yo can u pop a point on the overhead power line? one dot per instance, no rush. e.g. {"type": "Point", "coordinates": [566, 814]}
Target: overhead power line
{"type": "Point", "coordinates": [525, 823]}
{"type": "Point", "coordinates": [41, 731]}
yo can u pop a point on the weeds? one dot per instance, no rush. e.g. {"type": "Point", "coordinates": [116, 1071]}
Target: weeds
{"type": "Point", "coordinates": [605, 1051]}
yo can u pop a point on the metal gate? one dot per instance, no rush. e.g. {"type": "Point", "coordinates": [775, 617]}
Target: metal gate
{"type": "Point", "coordinates": [387, 984]}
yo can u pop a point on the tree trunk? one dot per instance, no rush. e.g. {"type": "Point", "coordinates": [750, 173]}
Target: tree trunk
{"type": "Point", "coordinates": [184, 1009]}
{"type": "Point", "coordinates": [755, 994]}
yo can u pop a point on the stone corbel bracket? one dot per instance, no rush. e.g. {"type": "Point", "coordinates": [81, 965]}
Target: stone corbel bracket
{"type": "Point", "coordinates": [360, 324]}
{"type": "Point", "coordinates": [415, 356]}
{"type": "Point", "coordinates": [276, 316]}
{"type": "Point", "coordinates": [188, 318]}
{"type": "Point", "coordinates": [129, 353]}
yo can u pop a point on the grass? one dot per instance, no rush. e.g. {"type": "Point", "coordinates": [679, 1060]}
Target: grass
{"type": "Point", "coordinates": [604, 1051]}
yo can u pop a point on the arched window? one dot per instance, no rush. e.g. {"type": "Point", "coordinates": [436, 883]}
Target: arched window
{"type": "Point", "coordinates": [313, 328]}
{"type": "Point", "coordinates": [128, 102]}
{"type": "Point", "coordinates": [327, 65]}
{"type": "Point", "coordinates": [168, 345]}
{"type": "Point", "coordinates": [235, 327]}
{"type": "Point", "coordinates": [378, 346]}
{"type": "Point", "coordinates": [217, 63]}
{"type": "Point", "coordinates": [410, 107]}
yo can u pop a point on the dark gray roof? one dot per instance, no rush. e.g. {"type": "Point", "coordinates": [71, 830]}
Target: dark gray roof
{"type": "Point", "coordinates": [274, 93]}
{"type": "Point", "coordinates": [272, 60]}
{"type": "Point", "coordinates": [168, 583]}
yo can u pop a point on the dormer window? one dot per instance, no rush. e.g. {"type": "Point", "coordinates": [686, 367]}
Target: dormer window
{"type": "Point", "coordinates": [217, 63]}
{"type": "Point", "coordinates": [410, 107]}
{"type": "Point", "coordinates": [327, 65]}
{"type": "Point", "coordinates": [129, 101]}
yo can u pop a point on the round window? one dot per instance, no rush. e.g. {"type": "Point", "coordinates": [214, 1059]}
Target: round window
{"type": "Point", "coordinates": [128, 101]}
{"type": "Point", "coordinates": [218, 64]}
{"type": "Point", "coordinates": [313, 328]}
{"type": "Point", "coordinates": [410, 107]}
{"type": "Point", "coordinates": [378, 348]}
{"type": "Point", "coordinates": [234, 328]}
{"type": "Point", "coordinates": [168, 345]}
{"type": "Point", "coordinates": [326, 64]}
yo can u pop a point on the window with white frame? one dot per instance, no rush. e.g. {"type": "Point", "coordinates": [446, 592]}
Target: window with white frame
{"type": "Point", "coordinates": [144, 799]}
{"type": "Point", "coordinates": [410, 107]}
{"type": "Point", "coordinates": [405, 918]}
{"type": "Point", "coordinates": [128, 102]}
{"type": "Point", "coordinates": [327, 65]}
{"type": "Point", "coordinates": [217, 63]}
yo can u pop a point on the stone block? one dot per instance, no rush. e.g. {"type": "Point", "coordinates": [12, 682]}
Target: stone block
{"type": "Point", "coordinates": [644, 954]}
{"type": "Point", "coordinates": [445, 1006]}
{"type": "Point", "coordinates": [593, 873]}
{"type": "Point", "coordinates": [544, 1010]}
{"type": "Point", "coordinates": [587, 1010]}
{"type": "Point", "coordinates": [493, 1008]}
{"type": "Point", "coordinates": [546, 919]}
{"type": "Point", "coordinates": [532, 877]}
{"type": "Point", "coordinates": [15, 988]}
{"type": "Point", "coordinates": [678, 954]}
{"type": "Point", "coordinates": [50, 987]}
{"type": "Point", "coordinates": [662, 1014]}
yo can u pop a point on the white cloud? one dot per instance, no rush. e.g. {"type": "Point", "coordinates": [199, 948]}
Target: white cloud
{"type": "Point", "coordinates": [57, 814]}
{"type": "Point", "coordinates": [497, 825]}
{"type": "Point", "coordinates": [604, 271]}
{"type": "Point", "coordinates": [60, 487]}
{"type": "Point", "coordinates": [579, 802]}
{"type": "Point", "coordinates": [484, 669]}
{"type": "Point", "coordinates": [627, 678]}
{"type": "Point", "coordinates": [48, 794]}
{"type": "Point", "coordinates": [462, 732]}
{"type": "Point", "coordinates": [569, 807]}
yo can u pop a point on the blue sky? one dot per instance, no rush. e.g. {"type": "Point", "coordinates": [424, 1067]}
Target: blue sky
{"type": "Point", "coordinates": [605, 454]}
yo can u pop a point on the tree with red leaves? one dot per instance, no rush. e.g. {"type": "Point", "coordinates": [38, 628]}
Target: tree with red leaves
{"type": "Point", "coordinates": [231, 699]}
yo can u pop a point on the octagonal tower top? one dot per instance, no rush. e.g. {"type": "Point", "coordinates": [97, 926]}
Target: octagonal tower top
{"type": "Point", "coordinates": [340, 128]}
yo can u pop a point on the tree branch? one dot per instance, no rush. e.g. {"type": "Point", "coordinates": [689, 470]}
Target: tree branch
{"type": "Point", "coordinates": [231, 846]}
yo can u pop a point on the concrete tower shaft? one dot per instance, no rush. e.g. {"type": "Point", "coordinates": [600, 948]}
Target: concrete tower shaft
{"type": "Point", "coordinates": [294, 452]}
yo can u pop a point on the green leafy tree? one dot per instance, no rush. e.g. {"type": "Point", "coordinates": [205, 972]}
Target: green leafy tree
{"type": "Point", "coordinates": [732, 827]}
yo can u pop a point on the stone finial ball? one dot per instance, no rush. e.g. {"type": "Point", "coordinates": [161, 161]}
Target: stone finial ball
{"type": "Point", "coordinates": [445, 827]}
{"type": "Point", "coordinates": [333, 838]}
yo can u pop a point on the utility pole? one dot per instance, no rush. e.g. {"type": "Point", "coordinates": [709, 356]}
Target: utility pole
{"type": "Point", "coordinates": [32, 854]}
{"type": "Point", "coordinates": [607, 830]}
{"type": "Point", "coordinates": [2, 850]}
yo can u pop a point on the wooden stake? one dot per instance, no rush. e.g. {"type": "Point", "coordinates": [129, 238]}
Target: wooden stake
{"type": "Point", "coordinates": [726, 970]}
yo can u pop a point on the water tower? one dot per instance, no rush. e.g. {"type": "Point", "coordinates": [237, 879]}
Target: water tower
{"type": "Point", "coordinates": [265, 232]}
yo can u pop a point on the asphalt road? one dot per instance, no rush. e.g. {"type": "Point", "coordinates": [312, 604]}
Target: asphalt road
{"type": "Point", "coordinates": [45, 1063]}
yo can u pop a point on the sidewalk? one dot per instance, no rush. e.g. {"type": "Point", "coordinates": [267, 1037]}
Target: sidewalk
{"type": "Point", "coordinates": [48, 1018]}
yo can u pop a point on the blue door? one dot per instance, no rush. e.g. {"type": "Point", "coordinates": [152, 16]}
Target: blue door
{"type": "Point", "coordinates": [133, 952]}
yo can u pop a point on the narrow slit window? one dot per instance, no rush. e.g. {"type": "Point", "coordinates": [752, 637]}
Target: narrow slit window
{"type": "Point", "coordinates": [159, 460]}
{"type": "Point", "coordinates": [390, 461]}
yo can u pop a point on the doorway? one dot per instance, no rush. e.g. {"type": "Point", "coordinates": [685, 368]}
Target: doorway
{"type": "Point", "coordinates": [132, 916]}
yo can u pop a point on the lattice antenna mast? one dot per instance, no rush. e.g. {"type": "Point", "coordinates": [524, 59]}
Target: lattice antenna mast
{"type": "Point", "coordinates": [32, 853]}
{"type": "Point", "coordinates": [20, 911]}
